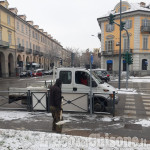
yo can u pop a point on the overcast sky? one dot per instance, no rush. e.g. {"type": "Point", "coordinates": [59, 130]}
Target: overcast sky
{"type": "Point", "coordinates": [71, 22]}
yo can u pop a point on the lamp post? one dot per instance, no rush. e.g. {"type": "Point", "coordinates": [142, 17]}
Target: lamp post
{"type": "Point", "coordinates": [120, 47]}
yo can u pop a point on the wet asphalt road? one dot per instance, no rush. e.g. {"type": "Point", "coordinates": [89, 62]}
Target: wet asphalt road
{"type": "Point", "coordinates": [130, 109]}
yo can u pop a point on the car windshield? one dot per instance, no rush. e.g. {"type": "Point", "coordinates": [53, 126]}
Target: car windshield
{"type": "Point", "coordinates": [97, 78]}
{"type": "Point", "coordinates": [98, 73]}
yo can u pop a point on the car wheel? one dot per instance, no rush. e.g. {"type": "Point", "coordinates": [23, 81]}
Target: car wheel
{"type": "Point", "coordinates": [99, 106]}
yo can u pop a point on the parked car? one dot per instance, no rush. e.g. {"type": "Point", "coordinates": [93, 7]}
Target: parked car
{"type": "Point", "coordinates": [102, 74]}
{"type": "Point", "coordinates": [23, 74]}
{"type": "Point", "coordinates": [38, 72]}
{"type": "Point", "coordinates": [48, 72]}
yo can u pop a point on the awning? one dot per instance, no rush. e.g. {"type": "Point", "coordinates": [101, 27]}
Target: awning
{"type": "Point", "coordinates": [109, 62]}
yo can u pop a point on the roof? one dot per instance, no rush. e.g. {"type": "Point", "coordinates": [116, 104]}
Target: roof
{"type": "Point", "coordinates": [133, 7]}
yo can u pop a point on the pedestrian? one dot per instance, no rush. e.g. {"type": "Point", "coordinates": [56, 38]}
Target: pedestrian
{"type": "Point", "coordinates": [55, 105]}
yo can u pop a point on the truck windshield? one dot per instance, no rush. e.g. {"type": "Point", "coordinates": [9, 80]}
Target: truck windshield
{"type": "Point", "coordinates": [97, 78]}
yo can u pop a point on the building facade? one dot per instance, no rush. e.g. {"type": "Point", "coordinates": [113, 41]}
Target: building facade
{"type": "Point", "coordinates": [22, 44]}
{"type": "Point", "coordinates": [137, 22]}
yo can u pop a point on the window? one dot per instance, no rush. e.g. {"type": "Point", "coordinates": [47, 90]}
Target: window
{"type": "Point", "coordinates": [125, 43]}
{"type": "Point", "coordinates": [26, 30]}
{"type": "Point", "coordinates": [33, 47]}
{"type": "Point", "coordinates": [65, 77]}
{"type": "Point", "coordinates": [109, 28]}
{"type": "Point", "coordinates": [8, 19]}
{"type": "Point", "coordinates": [109, 45]}
{"type": "Point", "coordinates": [128, 24]}
{"type": "Point", "coordinates": [9, 38]}
{"type": "Point", "coordinates": [0, 35]}
{"type": "Point", "coordinates": [145, 42]}
{"type": "Point", "coordinates": [145, 22]}
{"type": "Point", "coordinates": [18, 41]}
{"type": "Point", "coordinates": [17, 25]}
{"type": "Point", "coordinates": [22, 28]}
{"type": "Point", "coordinates": [30, 45]}
{"type": "Point", "coordinates": [33, 34]}
{"type": "Point", "coordinates": [23, 42]}
{"type": "Point", "coordinates": [26, 44]}
{"type": "Point", "coordinates": [123, 8]}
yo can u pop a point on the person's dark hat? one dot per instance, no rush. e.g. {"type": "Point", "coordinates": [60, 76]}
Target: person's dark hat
{"type": "Point", "coordinates": [58, 82]}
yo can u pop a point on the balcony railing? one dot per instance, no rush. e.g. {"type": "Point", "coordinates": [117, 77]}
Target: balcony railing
{"type": "Point", "coordinates": [4, 44]}
{"type": "Point", "coordinates": [35, 52]}
{"type": "Point", "coordinates": [20, 48]}
{"type": "Point", "coordinates": [109, 53]}
{"type": "Point", "coordinates": [28, 51]}
{"type": "Point", "coordinates": [145, 28]}
{"type": "Point", "coordinates": [41, 53]}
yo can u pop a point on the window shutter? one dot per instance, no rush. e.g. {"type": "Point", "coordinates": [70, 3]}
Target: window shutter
{"type": "Point", "coordinates": [112, 45]}
{"type": "Point", "coordinates": [143, 21]}
{"type": "Point", "coordinates": [130, 24]}
{"type": "Point", "coordinates": [106, 45]}
{"type": "Point", "coordinates": [106, 27]}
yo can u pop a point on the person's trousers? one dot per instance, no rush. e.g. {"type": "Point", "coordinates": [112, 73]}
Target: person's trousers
{"type": "Point", "coordinates": [56, 118]}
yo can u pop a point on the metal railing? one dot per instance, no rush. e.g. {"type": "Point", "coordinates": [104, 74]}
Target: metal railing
{"type": "Point", "coordinates": [4, 44]}
{"type": "Point", "coordinates": [28, 51]}
{"type": "Point", "coordinates": [31, 101]}
{"type": "Point", "coordinates": [145, 29]}
{"type": "Point", "coordinates": [20, 48]}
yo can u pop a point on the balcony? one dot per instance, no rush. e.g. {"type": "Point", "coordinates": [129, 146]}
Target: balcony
{"type": "Point", "coordinates": [41, 54]}
{"type": "Point", "coordinates": [20, 48]}
{"type": "Point", "coordinates": [109, 53]}
{"type": "Point", "coordinates": [28, 51]}
{"type": "Point", "coordinates": [4, 44]}
{"type": "Point", "coordinates": [145, 29]}
{"type": "Point", "coordinates": [35, 52]}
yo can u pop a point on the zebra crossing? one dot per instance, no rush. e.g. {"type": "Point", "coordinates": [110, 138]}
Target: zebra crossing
{"type": "Point", "coordinates": [138, 105]}
{"type": "Point", "coordinates": [130, 109]}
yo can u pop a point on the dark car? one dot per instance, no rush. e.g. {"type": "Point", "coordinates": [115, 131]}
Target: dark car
{"type": "Point", "coordinates": [102, 74]}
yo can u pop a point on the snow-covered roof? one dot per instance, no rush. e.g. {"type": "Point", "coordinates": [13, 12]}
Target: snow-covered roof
{"type": "Point", "coordinates": [133, 7]}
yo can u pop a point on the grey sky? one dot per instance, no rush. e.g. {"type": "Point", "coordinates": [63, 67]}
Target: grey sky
{"type": "Point", "coordinates": [71, 22]}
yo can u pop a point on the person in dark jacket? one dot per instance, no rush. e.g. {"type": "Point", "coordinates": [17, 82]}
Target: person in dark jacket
{"type": "Point", "coordinates": [55, 104]}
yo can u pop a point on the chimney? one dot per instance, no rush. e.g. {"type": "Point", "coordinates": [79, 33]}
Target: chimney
{"type": "Point", "coordinates": [4, 3]}
{"type": "Point", "coordinates": [14, 10]}
{"type": "Point", "coordinates": [45, 33]}
{"type": "Point", "coordinates": [36, 26]}
{"type": "Point", "coordinates": [30, 22]}
{"type": "Point", "coordinates": [41, 30]}
{"type": "Point", "coordinates": [142, 4]}
{"type": "Point", "coordinates": [23, 17]}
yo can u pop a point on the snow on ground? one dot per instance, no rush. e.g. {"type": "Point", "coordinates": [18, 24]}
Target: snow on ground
{"type": "Point", "coordinates": [145, 79]}
{"type": "Point", "coordinates": [127, 91]}
{"type": "Point", "coordinates": [143, 122]}
{"type": "Point", "coordinates": [32, 140]}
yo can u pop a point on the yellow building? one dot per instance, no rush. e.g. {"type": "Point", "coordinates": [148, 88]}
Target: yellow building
{"type": "Point", "coordinates": [7, 41]}
{"type": "Point", "coordinates": [23, 44]}
{"type": "Point", "coordinates": [137, 21]}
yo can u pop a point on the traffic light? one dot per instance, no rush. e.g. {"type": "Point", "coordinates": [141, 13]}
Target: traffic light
{"type": "Point", "coordinates": [125, 56]}
{"type": "Point", "coordinates": [130, 59]}
{"type": "Point", "coordinates": [111, 19]}
{"type": "Point", "coordinates": [60, 61]}
{"type": "Point", "coordinates": [122, 25]}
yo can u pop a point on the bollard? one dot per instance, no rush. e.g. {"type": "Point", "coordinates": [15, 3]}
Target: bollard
{"type": "Point", "coordinates": [113, 103]}
{"type": "Point", "coordinates": [48, 100]}
{"type": "Point", "coordinates": [28, 101]}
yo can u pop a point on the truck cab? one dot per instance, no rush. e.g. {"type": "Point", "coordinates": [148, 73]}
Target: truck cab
{"type": "Point", "coordinates": [77, 80]}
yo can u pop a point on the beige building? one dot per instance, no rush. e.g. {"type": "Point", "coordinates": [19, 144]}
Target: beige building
{"type": "Point", "coordinates": [25, 46]}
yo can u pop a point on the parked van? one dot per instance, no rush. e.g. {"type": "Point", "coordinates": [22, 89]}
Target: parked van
{"type": "Point", "coordinates": [38, 72]}
{"type": "Point", "coordinates": [72, 82]}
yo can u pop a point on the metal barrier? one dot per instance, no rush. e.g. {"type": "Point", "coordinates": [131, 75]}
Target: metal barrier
{"type": "Point", "coordinates": [73, 102]}
{"type": "Point", "coordinates": [12, 101]}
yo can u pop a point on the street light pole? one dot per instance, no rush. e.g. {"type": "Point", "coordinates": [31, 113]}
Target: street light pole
{"type": "Point", "coordinates": [120, 48]}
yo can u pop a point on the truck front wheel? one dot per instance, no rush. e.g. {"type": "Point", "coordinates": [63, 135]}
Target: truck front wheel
{"type": "Point", "coordinates": [99, 106]}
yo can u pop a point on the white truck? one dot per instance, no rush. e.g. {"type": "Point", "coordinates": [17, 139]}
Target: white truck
{"type": "Point", "coordinates": [71, 83]}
